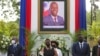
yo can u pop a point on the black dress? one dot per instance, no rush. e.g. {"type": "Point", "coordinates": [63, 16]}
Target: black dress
{"type": "Point", "coordinates": [49, 52]}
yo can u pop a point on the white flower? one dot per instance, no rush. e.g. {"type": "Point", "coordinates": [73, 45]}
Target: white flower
{"type": "Point", "coordinates": [1, 41]}
{"type": "Point", "coordinates": [8, 39]}
{"type": "Point", "coordinates": [3, 46]}
{"type": "Point", "coordinates": [6, 43]}
{"type": "Point", "coordinates": [3, 38]}
{"type": "Point", "coordinates": [3, 35]}
{"type": "Point", "coordinates": [9, 44]}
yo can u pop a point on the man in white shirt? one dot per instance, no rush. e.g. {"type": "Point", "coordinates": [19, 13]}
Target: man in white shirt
{"type": "Point", "coordinates": [55, 45]}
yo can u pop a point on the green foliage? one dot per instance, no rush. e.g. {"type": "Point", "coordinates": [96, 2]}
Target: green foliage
{"type": "Point", "coordinates": [98, 16]}
{"type": "Point", "coordinates": [31, 41]}
{"type": "Point", "coordinates": [9, 29]}
{"type": "Point", "coordinates": [94, 30]}
{"type": "Point", "coordinates": [9, 9]}
{"type": "Point", "coordinates": [88, 14]}
{"type": "Point", "coordinates": [74, 36]}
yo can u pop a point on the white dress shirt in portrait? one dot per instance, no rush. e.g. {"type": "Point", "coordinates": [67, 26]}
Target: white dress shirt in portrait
{"type": "Point", "coordinates": [55, 20]}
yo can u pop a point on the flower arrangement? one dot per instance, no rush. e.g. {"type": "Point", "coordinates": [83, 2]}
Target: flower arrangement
{"type": "Point", "coordinates": [62, 42]}
{"type": "Point", "coordinates": [4, 43]}
{"type": "Point", "coordinates": [60, 39]}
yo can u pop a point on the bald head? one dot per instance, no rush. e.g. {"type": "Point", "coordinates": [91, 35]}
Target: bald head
{"type": "Point", "coordinates": [54, 8]}
{"type": "Point", "coordinates": [80, 37]}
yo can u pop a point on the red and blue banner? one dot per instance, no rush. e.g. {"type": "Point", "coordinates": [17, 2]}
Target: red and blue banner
{"type": "Point", "coordinates": [25, 23]}
{"type": "Point", "coordinates": [80, 15]}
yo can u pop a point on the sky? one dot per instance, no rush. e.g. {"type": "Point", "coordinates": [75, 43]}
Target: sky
{"type": "Point", "coordinates": [88, 5]}
{"type": "Point", "coordinates": [13, 17]}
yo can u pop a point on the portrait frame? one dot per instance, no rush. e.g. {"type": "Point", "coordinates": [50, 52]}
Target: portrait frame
{"type": "Point", "coordinates": [63, 29]}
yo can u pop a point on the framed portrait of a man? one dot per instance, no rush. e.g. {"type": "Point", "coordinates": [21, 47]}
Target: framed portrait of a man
{"type": "Point", "coordinates": [53, 16]}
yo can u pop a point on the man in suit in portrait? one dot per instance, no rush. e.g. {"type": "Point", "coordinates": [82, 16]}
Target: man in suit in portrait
{"type": "Point", "coordinates": [14, 49]}
{"type": "Point", "coordinates": [53, 19]}
{"type": "Point", "coordinates": [96, 49]}
{"type": "Point", "coordinates": [80, 48]}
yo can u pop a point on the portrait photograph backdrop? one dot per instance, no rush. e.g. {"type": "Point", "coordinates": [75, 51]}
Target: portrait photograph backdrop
{"type": "Point", "coordinates": [44, 10]}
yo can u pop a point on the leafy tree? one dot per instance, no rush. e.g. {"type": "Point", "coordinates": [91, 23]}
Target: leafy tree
{"type": "Point", "coordinates": [9, 28]}
{"type": "Point", "coordinates": [93, 29]}
{"type": "Point", "coordinates": [88, 16]}
{"type": "Point", "coordinates": [9, 9]}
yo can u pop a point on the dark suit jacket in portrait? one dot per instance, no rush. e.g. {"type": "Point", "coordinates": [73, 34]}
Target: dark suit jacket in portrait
{"type": "Point", "coordinates": [77, 51]}
{"type": "Point", "coordinates": [16, 51]}
{"type": "Point", "coordinates": [48, 21]}
{"type": "Point", "coordinates": [94, 50]}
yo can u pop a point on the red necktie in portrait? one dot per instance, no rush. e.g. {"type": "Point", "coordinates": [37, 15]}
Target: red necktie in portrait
{"type": "Point", "coordinates": [55, 20]}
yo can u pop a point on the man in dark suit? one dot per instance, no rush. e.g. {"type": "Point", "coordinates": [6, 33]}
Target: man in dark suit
{"type": "Point", "coordinates": [96, 49]}
{"type": "Point", "coordinates": [15, 49]}
{"type": "Point", "coordinates": [80, 48]}
{"type": "Point", "coordinates": [53, 19]}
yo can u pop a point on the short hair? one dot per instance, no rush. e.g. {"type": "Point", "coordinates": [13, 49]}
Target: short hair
{"type": "Point", "coordinates": [15, 38]}
{"type": "Point", "coordinates": [53, 3]}
{"type": "Point", "coordinates": [47, 39]}
{"type": "Point", "coordinates": [57, 44]}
